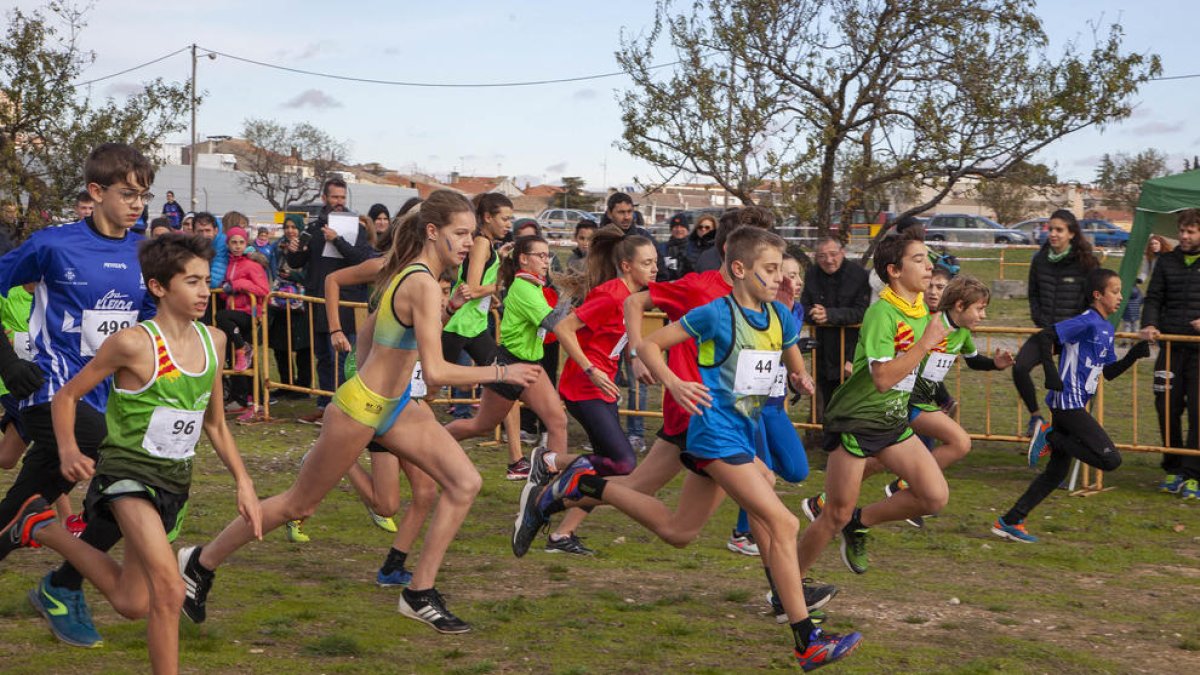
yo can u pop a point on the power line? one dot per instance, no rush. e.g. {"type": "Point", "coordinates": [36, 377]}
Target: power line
{"type": "Point", "coordinates": [130, 70]}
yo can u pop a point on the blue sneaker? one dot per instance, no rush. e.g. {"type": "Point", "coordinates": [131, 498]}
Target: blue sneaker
{"type": "Point", "coordinates": [1172, 483]}
{"type": "Point", "coordinates": [1190, 489]}
{"type": "Point", "coordinates": [1014, 532]}
{"type": "Point", "coordinates": [1037, 444]}
{"type": "Point", "coordinates": [397, 577]}
{"type": "Point", "coordinates": [67, 613]}
{"type": "Point", "coordinates": [535, 509]}
{"type": "Point", "coordinates": [825, 648]}
{"type": "Point", "coordinates": [564, 487]}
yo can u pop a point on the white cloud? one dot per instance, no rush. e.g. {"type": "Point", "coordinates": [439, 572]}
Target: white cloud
{"type": "Point", "coordinates": [313, 98]}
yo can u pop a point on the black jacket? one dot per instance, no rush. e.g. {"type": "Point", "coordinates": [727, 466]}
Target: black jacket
{"type": "Point", "coordinates": [1056, 289]}
{"type": "Point", "coordinates": [1173, 297]}
{"type": "Point", "coordinates": [845, 294]}
{"type": "Point", "coordinates": [672, 259]}
{"type": "Point", "coordinates": [316, 267]}
{"type": "Point", "coordinates": [697, 244]}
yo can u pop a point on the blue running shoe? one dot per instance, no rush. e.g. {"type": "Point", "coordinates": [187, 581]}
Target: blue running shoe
{"type": "Point", "coordinates": [1013, 532]}
{"type": "Point", "coordinates": [1190, 489]}
{"type": "Point", "coordinates": [825, 648]}
{"type": "Point", "coordinates": [1037, 444]}
{"type": "Point", "coordinates": [565, 487]}
{"type": "Point", "coordinates": [67, 613]}
{"type": "Point", "coordinates": [1172, 483]}
{"type": "Point", "coordinates": [397, 577]}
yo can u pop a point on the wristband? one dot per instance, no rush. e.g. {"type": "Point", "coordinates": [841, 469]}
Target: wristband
{"type": "Point", "coordinates": [589, 370]}
{"type": "Point", "coordinates": [339, 330]}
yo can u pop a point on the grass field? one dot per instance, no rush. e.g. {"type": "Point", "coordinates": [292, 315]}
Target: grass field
{"type": "Point", "coordinates": [1113, 587]}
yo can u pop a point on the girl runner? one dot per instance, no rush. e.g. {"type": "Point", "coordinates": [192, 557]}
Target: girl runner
{"type": "Point", "coordinates": [375, 403]}
{"type": "Point", "coordinates": [594, 338]}
{"type": "Point", "coordinates": [1087, 352]}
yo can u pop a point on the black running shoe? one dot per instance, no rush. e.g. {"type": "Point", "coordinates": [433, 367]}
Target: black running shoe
{"type": "Point", "coordinates": [568, 544]}
{"type": "Point", "coordinates": [530, 520]}
{"type": "Point", "coordinates": [429, 607]}
{"type": "Point", "coordinates": [197, 582]}
{"type": "Point", "coordinates": [817, 595]}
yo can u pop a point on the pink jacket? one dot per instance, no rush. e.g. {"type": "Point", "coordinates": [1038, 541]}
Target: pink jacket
{"type": "Point", "coordinates": [247, 278]}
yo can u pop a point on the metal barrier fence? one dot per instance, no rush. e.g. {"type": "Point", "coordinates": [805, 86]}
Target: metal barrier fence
{"type": "Point", "coordinates": [988, 409]}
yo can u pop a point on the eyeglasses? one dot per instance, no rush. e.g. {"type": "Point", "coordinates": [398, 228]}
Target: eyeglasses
{"type": "Point", "coordinates": [543, 255]}
{"type": "Point", "coordinates": [130, 197]}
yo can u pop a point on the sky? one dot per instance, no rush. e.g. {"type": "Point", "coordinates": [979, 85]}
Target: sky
{"type": "Point", "coordinates": [538, 133]}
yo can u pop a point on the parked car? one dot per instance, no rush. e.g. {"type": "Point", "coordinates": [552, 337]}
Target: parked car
{"type": "Point", "coordinates": [1035, 228]}
{"type": "Point", "coordinates": [556, 221]}
{"type": "Point", "coordinates": [961, 227]}
{"type": "Point", "coordinates": [1103, 233]}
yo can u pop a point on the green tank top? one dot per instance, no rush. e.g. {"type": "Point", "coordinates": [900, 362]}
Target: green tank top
{"type": "Point", "coordinates": [152, 431]}
{"type": "Point", "coordinates": [14, 314]}
{"type": "Point", "coordinates": [472, 318]}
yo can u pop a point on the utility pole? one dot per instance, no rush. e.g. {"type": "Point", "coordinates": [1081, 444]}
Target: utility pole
{"type": "Point", "coordinates": [192, 150]}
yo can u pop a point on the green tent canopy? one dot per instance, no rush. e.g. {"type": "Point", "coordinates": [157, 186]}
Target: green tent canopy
{"type": "Point", "coordinates": [1161, 199]}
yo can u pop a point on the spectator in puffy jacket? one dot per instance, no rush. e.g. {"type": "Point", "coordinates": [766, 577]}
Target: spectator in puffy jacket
{"type": "Point", "coordinates": [701, 239]}
{"type": "Point", "coordinates": [244, 277]}
{"type": "Point", "coordinates": [1057, 280]}
{"type": "Point", "coordinates": [205, 224]}
{"type": "Point", "coordinates": [1172, 306]}
{"type": "Point", "coordinates": [263, 244]}
{"type": "Point", "coordinates": [672, 253]}
{"type": "Point", "coordinates": [835, 297]}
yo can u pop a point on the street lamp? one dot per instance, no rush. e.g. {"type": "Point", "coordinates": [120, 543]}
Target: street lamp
{"type": "Point", "coordinates": [192, 150]}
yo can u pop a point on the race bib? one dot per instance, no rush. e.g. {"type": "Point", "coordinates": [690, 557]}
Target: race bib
{"type": "Point", "coordinates": [756, 372]}
{"type": "Point", "coordinates": [484, 305]}
{"type": "Point", "coordinates": [779, 387]}
{"type": "Point", "coordinates": [172, 433]}
{"type": "Point", "coordinates": [616, 351]}
{"type": "Point", "coordinates": [541, 335]}
{"type": "Point", "coordinates": [906, 385]}
{"type": "Point", "coordinates": [419, 389]}
{"type": "Point", "coordinates": [99, 324]}
{"type": "Point", "coordinates": [1093, 379]}
{"type": "Point", "coordinates": [22, 344]}
{"type": "Point", "coordinates": [937, 365]}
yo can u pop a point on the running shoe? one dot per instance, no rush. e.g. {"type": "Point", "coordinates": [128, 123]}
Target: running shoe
{"type": "Point", "coordinates": [1190, 490]}
{"type": "Point", "coordinates": [75, 524]}
{"type": "Point", "coordinates": [241, 358]}
{"type": "Point", "coordinates": [1034, 422]}
{"type": "Point", "coordinates": [397, 577]}
{"type": "Point", "coordinates": [825, 648]}
{"type": "Point", "coordinates": [529, 438]}
{"type": "Point", "coordinates": [1172, 483]}
{"type": "Point", "coordinates": [530, 520]}
{"type": "Point", "coordinates": [1037, 443]}
{"type": "Point", "coordinates": [197, 582]}
{"type": "Point", "coordinates": [66, 611]}
{"type": "Point", "coordinates": [1014, 532]}
{"type": "Point", "coordinates": [236, 407]}
{"type": "Point", "coordinates": [250, 414]}
{"type": "Point", "coordinates": [18, 533]}
{"type": "Point", "coordinates": [384, 523]}
{"type": "Point", "coordinates": [816, 596]}
{"type": "Point", "coordinates": [295, 534]}
{"type": "Point", "coordinates": [518, 470]}
{"type": "Point", "coordinates": [811, 507]}
{"type": "Point", "coordinates": [536, 510]}
{"type": "Point", "coordinates": [896, 486]}
{"type": "Point", "coordinates": [565, 487]}
{"type": "Point", "coordinates": [429, 607]}
{"type": "Point", "coordinates": [742, 542]}
{"type": "Point", "coordinates": [854, 548]}
{"type": "Point", "coordinates": [567, 544]}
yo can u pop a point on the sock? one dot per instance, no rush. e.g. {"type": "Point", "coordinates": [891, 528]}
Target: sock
{"type": "Point", "coordinates": [591, 485]}
{"type": "Point", "coordinates": [856, 520]}
{"type": "Point", "coordinates": [743, 522]}
{"type": "Point", "coordinates": [67, 576]}
{"type": "Point", "coordinates": [395, 561]}
{"type": "Point", "coordinates": [802, 631]}
{"type": "Point", "coordinates": [770, 581]}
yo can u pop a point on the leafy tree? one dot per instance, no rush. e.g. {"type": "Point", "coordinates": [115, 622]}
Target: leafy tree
{"type": "Point", "coordinates": [858, 96]}
{"type": "Point", "coordinates": [48, 125]}
{"type": "Point", "coordinates": [573, 196]}
{"type": "Point", "coordinates": [288, 165]}
{"type": "Point", "coordinates": [1121, 176]}
{"type": "Point", "coordinates": [1011, 195]}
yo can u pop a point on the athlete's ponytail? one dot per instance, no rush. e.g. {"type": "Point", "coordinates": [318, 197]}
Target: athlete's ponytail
{"type": "Point", "coordinates": [488, 204]}
{"type": "Point", "coordinates": [610, 248]}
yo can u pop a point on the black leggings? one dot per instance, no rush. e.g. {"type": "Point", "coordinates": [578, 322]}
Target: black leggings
{"type": "Point", "coordinates": [1076, 435]}
{"type": "Point", "coordinates": [1183, 385]}
{"type": "Point", "coordinates": [41, 474]}
{"type": "Point", "coordinates": [1027, 358]}
{"type": "Point", "coordinates": [237, 325]}
{"type": "Point", "coordinates": [482, 347]}
{"type": "Point", "coordinates": [530, 423]}
{"type": "Point", "coordinates": [612, 454]}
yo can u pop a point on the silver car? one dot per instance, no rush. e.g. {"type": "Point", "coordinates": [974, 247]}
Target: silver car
{"type": "Point", "coordinates": [960, 227]}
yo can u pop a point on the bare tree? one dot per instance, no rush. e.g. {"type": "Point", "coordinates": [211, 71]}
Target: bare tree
{"type": "Point", "coordinates": [288, 166]}
{"type": "Point", "coordinates": [920, 92]}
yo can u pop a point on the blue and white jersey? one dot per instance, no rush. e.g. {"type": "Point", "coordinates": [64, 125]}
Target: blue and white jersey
{"type": "Point", "coordinates": [88, 287]}
{"type": "Point", "coordinates": [1087, 342]}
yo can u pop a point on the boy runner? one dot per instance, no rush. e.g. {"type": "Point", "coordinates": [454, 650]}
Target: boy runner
{"type": "Point", "coordinates": [88, 287]}
{"type": "Point", "coordinates": [167, 388]}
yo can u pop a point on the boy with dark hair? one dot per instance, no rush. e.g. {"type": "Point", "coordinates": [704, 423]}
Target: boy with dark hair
{"type": "Point", "coordinates": [88, 288]}
{"type": "Point", "coordinates": [84, 205]}
{"type": "Point", "coordinates": [168, 388]}
{"type": "Point", "coordinates": [584, 231]}
{"type": "Point", "coordinates": [745, 340]}
{"type": "Point", "coordinates": [867, 415]}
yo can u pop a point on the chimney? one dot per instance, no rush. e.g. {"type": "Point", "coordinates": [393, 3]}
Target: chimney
{"type": "Point", "coordinates": [453, 177]}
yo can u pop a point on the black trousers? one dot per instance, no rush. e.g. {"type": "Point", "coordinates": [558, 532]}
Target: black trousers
{"type": "Point", "coordinates": [529, 419]}
{"type": "Point", "coordinates": [237, 327]}
{"type": "Point", "coordinates": [40, 471]}
{"type": "Point", "coordinates": [1076, 435]}
{"type": "Point", "coordinates": [1176, 391]}
{"type": "Point", "coordinates": [1026, 360]}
